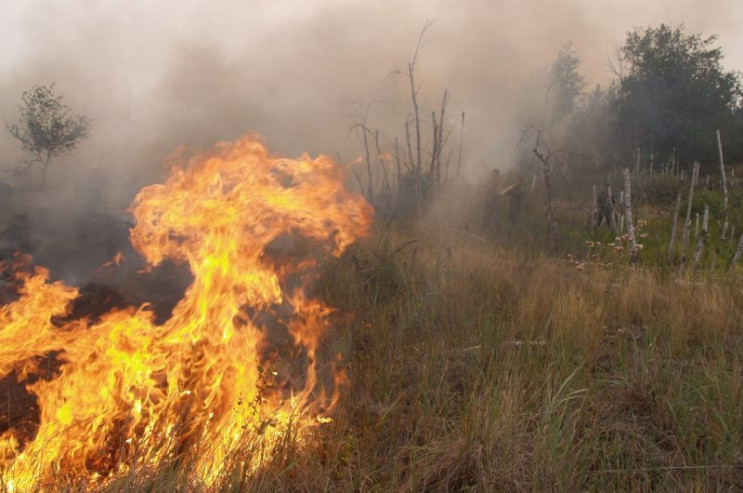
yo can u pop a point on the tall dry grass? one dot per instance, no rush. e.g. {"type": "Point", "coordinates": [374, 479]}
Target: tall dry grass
{"type": "Point", "coordinates": [476, 368]}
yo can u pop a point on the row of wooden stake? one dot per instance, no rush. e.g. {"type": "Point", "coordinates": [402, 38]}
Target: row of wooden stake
{"type": "Point", "coordinates": [701, 238]}
{"type": "Point", "coordinates": [626, 201]}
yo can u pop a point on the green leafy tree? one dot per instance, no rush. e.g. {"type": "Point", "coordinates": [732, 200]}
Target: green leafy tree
{"type": "Point", "coordinates": [46, 128]}
{"type": "Point", "coordinates": [565, 83]}
{"type": "Point", "coordinates": [673, 93]}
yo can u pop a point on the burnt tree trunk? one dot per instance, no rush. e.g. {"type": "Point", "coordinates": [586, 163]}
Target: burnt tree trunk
{"type": "Point", "coordinates": [553, 231]}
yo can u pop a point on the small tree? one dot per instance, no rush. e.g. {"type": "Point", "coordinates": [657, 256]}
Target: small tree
{"type": "Point", "coordinates": [46, 127]}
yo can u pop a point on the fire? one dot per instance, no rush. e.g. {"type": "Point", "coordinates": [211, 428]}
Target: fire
{"type": "Point", "coordinates": [212, 379]}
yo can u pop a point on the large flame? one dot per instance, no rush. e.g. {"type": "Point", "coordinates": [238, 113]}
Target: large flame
{"type": "Point", "coordinates": [130, 392]}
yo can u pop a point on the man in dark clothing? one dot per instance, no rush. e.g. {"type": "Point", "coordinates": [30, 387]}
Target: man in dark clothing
{"type": "Point", "coordinates": [516, 200]}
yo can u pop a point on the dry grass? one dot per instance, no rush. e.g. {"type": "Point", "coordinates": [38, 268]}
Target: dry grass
{"type": "Point", "coordinates": [475, 368]}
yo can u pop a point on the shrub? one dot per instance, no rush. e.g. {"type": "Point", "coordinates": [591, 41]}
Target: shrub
{"type": "Point", "coordinates": [711, 198]}
{"type": "Point", "coordinates": [658, 189]}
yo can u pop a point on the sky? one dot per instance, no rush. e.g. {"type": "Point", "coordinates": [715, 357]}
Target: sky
{"type": "Point", "coordinates": [156, 75]}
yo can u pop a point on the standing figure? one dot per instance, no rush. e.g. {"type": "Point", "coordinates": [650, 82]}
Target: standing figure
{"type": "Point", "coordinates": [516, 201]}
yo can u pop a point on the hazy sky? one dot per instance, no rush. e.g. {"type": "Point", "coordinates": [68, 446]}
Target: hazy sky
{"type": "Point", "coordinates": [158, 74]}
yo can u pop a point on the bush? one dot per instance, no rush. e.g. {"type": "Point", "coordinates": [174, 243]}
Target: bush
{"type": "Point", "coordinates": [736, 198]}
{"type": "Point", "coordinates": [701, 197]}
{"type": "Point", "coordinates": [658, 189]}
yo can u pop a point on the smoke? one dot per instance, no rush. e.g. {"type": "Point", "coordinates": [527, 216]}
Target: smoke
{"type": "Point", "coordinates": [155, 75]}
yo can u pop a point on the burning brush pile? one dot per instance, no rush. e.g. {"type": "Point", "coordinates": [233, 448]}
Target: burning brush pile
{"type": "Point", "coordinates": [236, 363]}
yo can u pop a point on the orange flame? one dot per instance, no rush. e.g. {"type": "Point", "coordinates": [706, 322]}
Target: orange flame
{"type": "Point", "coordinates": [129, 392]}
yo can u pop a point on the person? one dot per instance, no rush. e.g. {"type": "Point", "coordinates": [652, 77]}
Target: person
{"type": "Point", "coordinates": [491, 210]}
{"type": "Point", "coordinates": [604, 206]}
{"type": "Point", "coordinates": [516, 200]}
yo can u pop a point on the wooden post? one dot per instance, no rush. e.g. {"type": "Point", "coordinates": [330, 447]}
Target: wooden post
{"type": "Point", "coordinates": [702, 238]}
{"type": "Point", "coordinates": [687, 223]}
{"type": "Point", "coordinates": [724, 186]}
{"type": "Point", "coordinates": [672, 241]}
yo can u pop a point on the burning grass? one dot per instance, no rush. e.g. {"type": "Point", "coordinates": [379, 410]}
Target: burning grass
{"type": "Point", "coordinates": [235, 367]}
{"type": "Point", "coordinates": [476, 367]}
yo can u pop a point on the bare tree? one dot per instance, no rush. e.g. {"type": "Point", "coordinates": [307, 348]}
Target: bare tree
{"type": "Point", "coordinates": [553, 230]}
{"type": "Point", "coordinates": [414, 96]}
{"type": "Point", "coordinates": [628, 214]}
{"type": "Point", "coordinates": [461, 146]}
